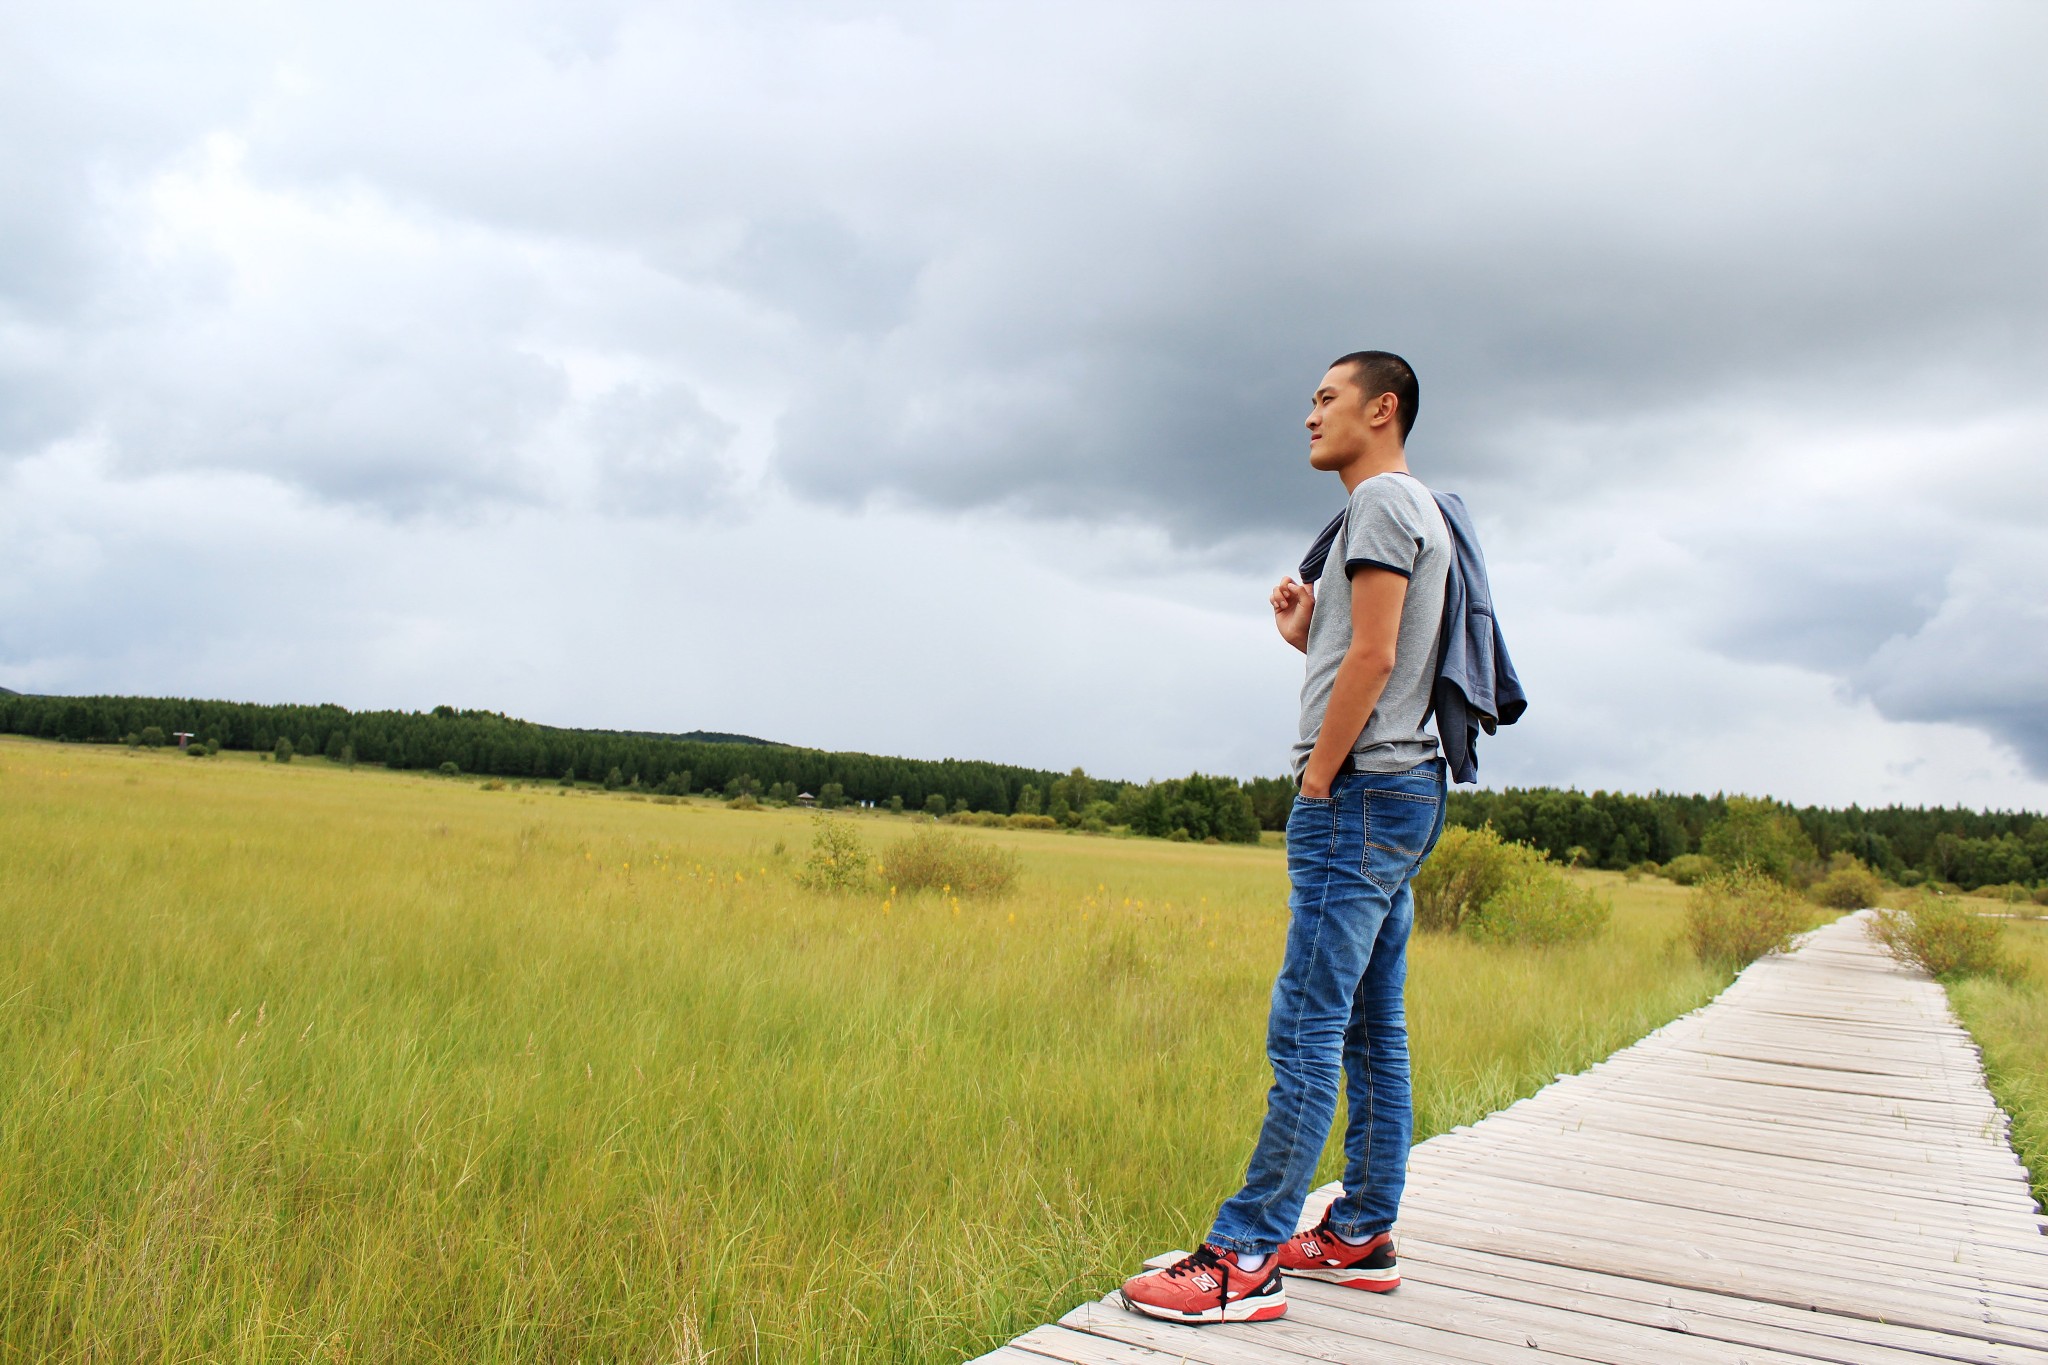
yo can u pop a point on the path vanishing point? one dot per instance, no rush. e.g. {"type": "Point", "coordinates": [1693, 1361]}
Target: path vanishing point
{"type": "Point", "coordinates": [1808, 1169]}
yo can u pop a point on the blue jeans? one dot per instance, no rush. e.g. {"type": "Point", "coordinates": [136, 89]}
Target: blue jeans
{"type": "Point", "coordinates": [1338, 1006]}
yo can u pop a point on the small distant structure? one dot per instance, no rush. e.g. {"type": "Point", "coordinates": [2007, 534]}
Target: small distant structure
{"type": "Point", "coordinates": [184, 737]}
{"type": "Point", "coordinates": [806, 799]}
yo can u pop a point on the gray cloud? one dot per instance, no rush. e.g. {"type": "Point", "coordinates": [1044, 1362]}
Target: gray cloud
{"type": "Point", "coordinates": [658, 448]}
{"type": "Point", "coordinates": [1083, 267]}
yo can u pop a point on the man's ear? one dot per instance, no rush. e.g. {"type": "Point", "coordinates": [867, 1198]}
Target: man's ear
{"type": "Point", "coordinates": [1381, 410]}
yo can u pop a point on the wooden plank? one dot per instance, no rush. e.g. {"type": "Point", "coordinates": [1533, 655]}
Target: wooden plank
{"type": "Point", "coordinates": [1990, 1200]}
{"type": "Point", "coordinates": [1521, 1325]}
{"type": "Point", "coordinates": [1643, 1259]}
{"type": "Point", "coordinates": [1712, 1188]}
{"type": "Point", "coordinates": [1054, 1342]}
{"type": "Point", "coordinates": [1305, 1336]}
{"type": "Point", "coordinates": [1735, 1322]}
{"type": "Point", "coordinates": [1796, 1251]}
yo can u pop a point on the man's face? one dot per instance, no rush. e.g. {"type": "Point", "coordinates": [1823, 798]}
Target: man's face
{"type": "Point", "coordinates": [1337, 421]}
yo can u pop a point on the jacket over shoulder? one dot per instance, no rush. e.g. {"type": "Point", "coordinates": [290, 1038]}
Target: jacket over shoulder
{"type": "Point", "coordinates": [1475, 687]}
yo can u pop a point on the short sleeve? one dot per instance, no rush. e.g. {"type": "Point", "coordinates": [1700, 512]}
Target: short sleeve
{"type": "Point", "coordinates": [1381, 530]}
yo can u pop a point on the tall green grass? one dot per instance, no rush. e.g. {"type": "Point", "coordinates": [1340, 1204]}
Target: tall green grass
{"type": "Point", "coordinates": [299, 1063]}
{"type": "Point", "coordinates": [2009, 1020]}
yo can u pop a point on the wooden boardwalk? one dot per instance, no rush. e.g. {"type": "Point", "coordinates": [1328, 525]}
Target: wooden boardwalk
{"type": "Point", "coordinates": [1808, 1169]}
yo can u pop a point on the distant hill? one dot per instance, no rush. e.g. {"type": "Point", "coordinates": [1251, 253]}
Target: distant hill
{"type": "Point", "coordinates": [691, 737]}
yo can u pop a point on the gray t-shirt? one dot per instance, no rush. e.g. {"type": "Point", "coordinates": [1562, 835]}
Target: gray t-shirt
{"type": "Point", "coordinates": [1393, 523]}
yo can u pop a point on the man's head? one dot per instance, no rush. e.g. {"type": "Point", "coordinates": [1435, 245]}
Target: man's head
{"type": "Point", "coordinates": [1366, 402]}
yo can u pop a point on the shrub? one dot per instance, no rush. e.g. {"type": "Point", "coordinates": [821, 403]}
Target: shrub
{"type": "Point", "coordinates": [743, 802]}
{"type": "Point", "coordinates": [981, 819]}
{"type": "Point", "coordinates": [614, 779]}
{"type": "Point", "coordinates": [213, 747]}
{"type": "Point", "coordinates": [932, 859]}
{"type": "Point", "coordinates": [2041, 894]}
{"type": "Point", "coordinates": [1502, 892]}
{"type": "Point", "coordinates": [494, 785]}
{"type": "Point", "coordinates": [935, 805]}
{"type": "Point", "coordinates": [568, 778]}
{"type": "Point", "coordinates": [1541, 906]}
{"type": "Point", "coordinates": [1739, 916]}
{"type": "Point", "coordinates": [453, 769]}
{"type": "Point", "coordinates": [1029, 821]}
{"type": "Point", "coordinates": [198, 750]}
{"type": "Point", "coordinates": [153, 736]}
{"type": "Point", "coordinates": [838, 861]}
{"type": "Point", "coordinates": [1468, 868]}
{"type": "Point", "coordinates": [1689, 869]}
{"type": "Point", "coordinates": [132, 740]}
{"type": "Point", "coordinates": [896, 805]}
{"type": "Point", "coordinates": [283, 751]}
{"type": "Point", "coordinates": [1944, 940]}
{"type": "Point", "coordinates": [1851, 886]}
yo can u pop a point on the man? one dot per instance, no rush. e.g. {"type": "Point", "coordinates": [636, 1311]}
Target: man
{"type": "Point", "coordinates": [1369, 812]}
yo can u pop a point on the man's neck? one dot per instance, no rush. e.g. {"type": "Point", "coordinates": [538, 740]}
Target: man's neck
{"type": "Point", "coordinates": [1372, 463]}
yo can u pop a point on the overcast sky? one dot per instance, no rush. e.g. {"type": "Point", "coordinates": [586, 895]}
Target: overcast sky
{"type": "Point", "coordinates": [928, 379]}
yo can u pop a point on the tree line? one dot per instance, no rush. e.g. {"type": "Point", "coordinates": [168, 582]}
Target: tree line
{"type": "Point", "coordinates": [488, 743]}
{"type": "Point", "coordinates": [1600, 829]}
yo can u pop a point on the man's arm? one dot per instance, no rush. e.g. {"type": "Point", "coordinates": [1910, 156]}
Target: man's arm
{"type": "Point", "coordinates": [1293, 603]}
{"type": "Point", "coordinates": [1376, 599]}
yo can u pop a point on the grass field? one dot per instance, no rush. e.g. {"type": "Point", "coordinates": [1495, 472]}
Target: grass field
{"type": "Point", "coordinates": [2010, 1022]}
{"type": "Point", "coordinates": [301, 1063]}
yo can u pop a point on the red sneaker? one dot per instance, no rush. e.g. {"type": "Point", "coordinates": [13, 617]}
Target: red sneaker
{"type": "Point", "coordinates": [1320, 1254]}
{"type": "Point", "coordinates": [1208, 1287]}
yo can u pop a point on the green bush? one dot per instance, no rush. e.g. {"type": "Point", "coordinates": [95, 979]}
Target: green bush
{"type": "Point", "coordinates": [283, 751]}
{"type": "Point", "coordinates": [1029, 821]}
{"type": "Point", "coordinates": [1468, 868]}
{"type": "Point", "coordinates": [932, 859]}
{"type": "Point", "coordinates": [453, 769]}
{"type": "Point", "coordinates": [1739, 916]}
{"type": "Point", "coordinates": [1502, 892]}
{"type": "Point", "coordinates": [1689, 869]}
{"type": "Point", "coordinates": [1540, 906]}
{"type": "Point", "coordinates": [198, 750]}
{"type": "Point", "coordinates": [980, 819]}
{"type": "Point", "coordinates": [152, 736]}
{"type": "Point", "coordinates": [935, 805]}
{"type": "Point", "coordinates": [1849, 885]}
{"type": "Point", "coordinates": [1943, 939]}
{"type": "Point", "coordinates": [839, 860]}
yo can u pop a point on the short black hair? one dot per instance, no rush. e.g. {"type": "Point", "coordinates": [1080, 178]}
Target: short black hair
{"type": "Point", "coordinates": [1379, 372]}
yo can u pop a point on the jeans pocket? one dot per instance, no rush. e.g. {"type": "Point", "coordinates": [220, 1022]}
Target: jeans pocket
{"type": "Point", "coordinates": [1397, 830]}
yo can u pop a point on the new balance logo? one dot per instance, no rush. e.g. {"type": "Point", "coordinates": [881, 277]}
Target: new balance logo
{"type": "Point", "coordinates": [1204, 1281]}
